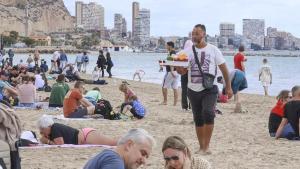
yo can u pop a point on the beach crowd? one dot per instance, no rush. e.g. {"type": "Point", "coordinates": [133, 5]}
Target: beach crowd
{"type": "Point", "coordinates": [199, 92]}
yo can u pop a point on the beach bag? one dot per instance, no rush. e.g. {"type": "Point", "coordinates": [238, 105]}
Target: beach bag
{"type": "Point", "coordinates": [207, 79]}
{"type": "Point", "coordinates": [47, 88]}
{"type": "Point", "coordinates": [104, 108]}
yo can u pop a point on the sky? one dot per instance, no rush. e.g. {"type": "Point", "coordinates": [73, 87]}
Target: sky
{"type": "Point", "coordinates": [177, 17]}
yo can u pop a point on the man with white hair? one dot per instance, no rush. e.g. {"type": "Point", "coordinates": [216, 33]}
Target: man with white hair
{"type": "Point", "coordinates": [131, 152]}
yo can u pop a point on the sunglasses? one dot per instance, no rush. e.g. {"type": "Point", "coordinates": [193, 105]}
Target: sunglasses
{"type": "Point", "coordinates": [175, 158]}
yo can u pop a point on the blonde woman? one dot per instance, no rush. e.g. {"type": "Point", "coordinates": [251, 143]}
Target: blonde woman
{"type": "Point", "coordinates": [177, 155]}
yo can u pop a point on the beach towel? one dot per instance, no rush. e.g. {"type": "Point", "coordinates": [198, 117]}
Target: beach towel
{"type": "Point", "coordinates": [41, 146]}
{"type": "Point", "coordinates": [40, 105]}
{"type": "Point", "coordinates": [88, 117]}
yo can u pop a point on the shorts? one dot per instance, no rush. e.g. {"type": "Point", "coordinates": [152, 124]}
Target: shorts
{"type": "Point", "coordinates": [265, 84]}
{"type": "Point", "coordinates": [170, 82]}
{"type": "Point", "coordinates": [79, 113]}
{"type": "Point", "coordinates": [274, 122]}
{"type": "Point", "coordinates": [203, 105]}
{"type": "Point", "coordinates": [55, 105]}
{"type": "Point", "coordinates": [239, 82]}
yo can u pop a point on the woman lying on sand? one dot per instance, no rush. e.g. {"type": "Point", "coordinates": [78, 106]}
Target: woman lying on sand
{"type": "Point", "coordinates": [177, 155]}
{"type": "Point", "coordinates": [58, 134]}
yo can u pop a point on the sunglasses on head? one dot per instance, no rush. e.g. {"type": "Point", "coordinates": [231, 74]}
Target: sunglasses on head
{"type": "Point", "coordinates": [175, 158]}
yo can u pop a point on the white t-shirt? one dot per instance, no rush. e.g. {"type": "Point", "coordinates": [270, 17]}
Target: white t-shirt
{"type": "Point", "coordinates": [211, 57]}
{"type": "Point", "coordinates": [96, 75]}
{"type": "Point", "coordinates": [79, 58]}
{"type": "Point", "coordinates": [39, 82]}
{"type": "Point", "coordinates": [265, 73]}
{"type": "Point", "coordinates": [55, 56]}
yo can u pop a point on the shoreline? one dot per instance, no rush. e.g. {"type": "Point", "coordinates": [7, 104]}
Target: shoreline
{"type": "Point", "coordinates": [70, 49]}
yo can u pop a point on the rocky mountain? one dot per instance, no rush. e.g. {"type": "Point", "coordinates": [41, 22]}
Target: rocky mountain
{"type": "Point", "coordinates": [30, 17]}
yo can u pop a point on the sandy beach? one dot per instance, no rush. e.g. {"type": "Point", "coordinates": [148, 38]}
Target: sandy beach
{"type": "Point", "coordinates": [239, 141]}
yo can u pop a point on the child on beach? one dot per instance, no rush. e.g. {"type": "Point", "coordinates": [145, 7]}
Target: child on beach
{"type": "Point", "coordinates": [126, 90]}
{"type": "Point", "coordinates": [277, 111]}
{"type": "Point", "coordinates": [265, 76]}
{"type": "Point", "coordinates": [135, 107]}
{"type": "Point", "coordinates": [39, 81]}
{"type": "Point", "coordinates": [139, 73]}
{"type": "Point", "coordinates": [96, 73]}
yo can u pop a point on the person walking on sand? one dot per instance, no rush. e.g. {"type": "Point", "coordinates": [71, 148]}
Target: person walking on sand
{"type": "Point", "coordinates": [101, 62]}
{"type": "Point", "coordinates": [36, 58]}
{"type": "Point", "coordinates": [170, 80]}
{"type": "Point", "coordinates": [109, 64]}
{"type": "Point", "coordinates": [63, 59]}
{"type": "Point", "coordinates": [78, 61]}
{"type": "Point", "coordinates": [203, 96]}
{"type": "Point", "coordinates": [85, 61]}
{"type": "Point", "coordinates": [240, 59]}
{"type": "Point", "coordinates": [185, 105]}
{"type": "Point", "coordinates": [11, 55]}
{"type": "Point", "coordinates": [238, 83]}
{"type": "Point", "coordinates": [265, 76]}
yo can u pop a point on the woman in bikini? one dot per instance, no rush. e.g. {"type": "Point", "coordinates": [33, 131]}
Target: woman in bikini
{"type": "Point", "coordinates": [58, 134]}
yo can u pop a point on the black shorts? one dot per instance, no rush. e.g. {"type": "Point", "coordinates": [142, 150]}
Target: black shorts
{"type": "Point", "coordinates": [203, 105]}
{"type": "Point", "coordinates": [274, 122]}
{"type": "Point", "coordinates": [55, 105]}
{"type": "Point", "coordinates": [79, 113]}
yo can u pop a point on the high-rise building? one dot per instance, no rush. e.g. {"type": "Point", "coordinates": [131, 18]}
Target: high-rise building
{"type": "Point", "coordinates": [120, 27]}
{"type": "Point", "coordinates": [142, 28]}
{"type": "Point", "coordinates": [271, 31]}
{"type": "Point", "coordinates": [124, 27]}
{"type": "Point", "coordinates": [89, 16]}
{"type": "Point", "coordinates": [254, 29]}
{"type": "Point", "coordinates": [118, 24]}
{"type": "Point", "coordinates": [227, 30]}
{"type": "Point", "coordinates": [135, 13]}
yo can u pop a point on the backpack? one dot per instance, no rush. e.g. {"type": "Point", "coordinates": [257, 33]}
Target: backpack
{"type": "Point", "coordinates": [104, 108]}
{"type": "Point", "coordinates": [47, 88]}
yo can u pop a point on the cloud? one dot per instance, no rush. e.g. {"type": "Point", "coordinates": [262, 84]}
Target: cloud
{"type": "Point", "coordinates": [175, 17]}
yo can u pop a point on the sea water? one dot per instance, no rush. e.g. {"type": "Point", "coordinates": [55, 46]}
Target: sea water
{"type": "Point", "coordinates": [285, 70]}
